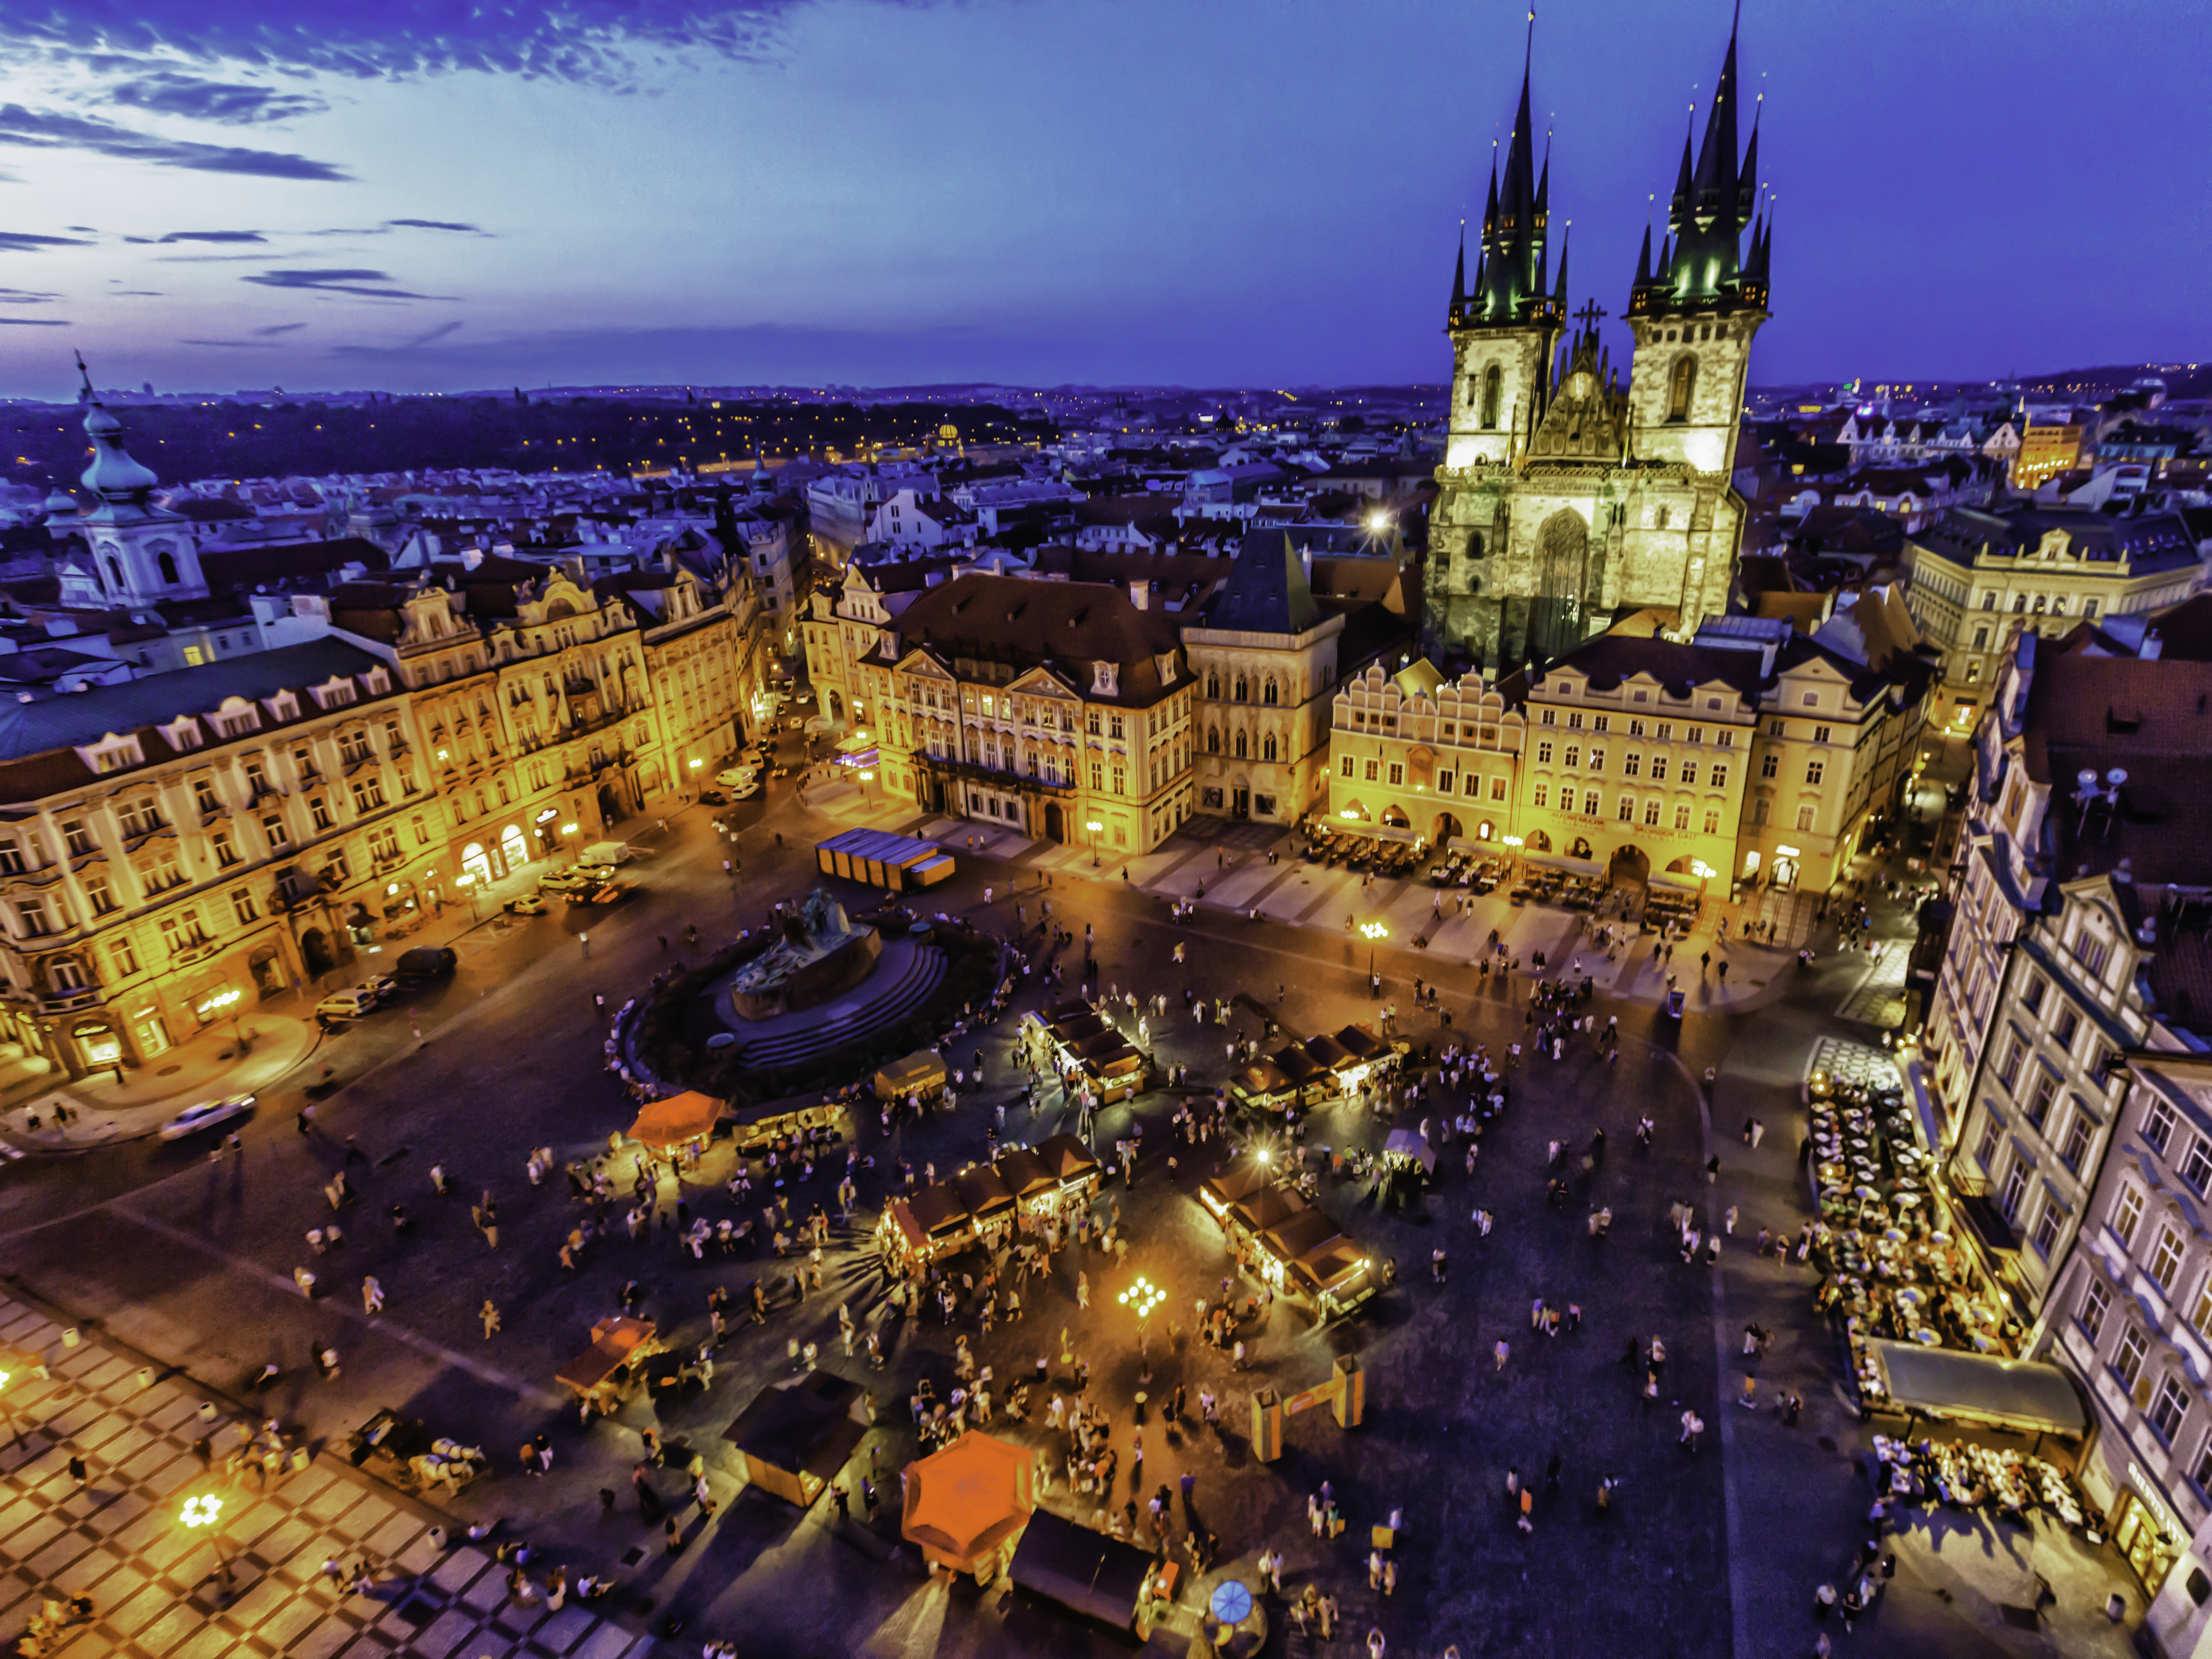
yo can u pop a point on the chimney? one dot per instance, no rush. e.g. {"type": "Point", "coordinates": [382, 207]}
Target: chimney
{"type": "Point", "coordinates": [2151, 646]}
{"type": "Point", "coordinates": [1141, 592]}
{"type": "Point", "coordinates": [471, 557]}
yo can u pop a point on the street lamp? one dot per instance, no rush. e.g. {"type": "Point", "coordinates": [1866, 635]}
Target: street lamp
{"type": "Point", "coordinates": [204, 1510]}
{"type": "Point", "coordinates": [1141, 1298]}
{"type": "Point", "coordinates": [1097, 829]}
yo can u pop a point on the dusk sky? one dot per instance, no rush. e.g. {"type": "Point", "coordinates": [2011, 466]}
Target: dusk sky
{"type": "Point", "coordinates": [214, 194]}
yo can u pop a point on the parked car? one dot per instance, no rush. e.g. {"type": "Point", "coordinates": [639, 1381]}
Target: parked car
{"type": "Point", "coordinates": [425, 962]}
{"type": "Point", "coordinates": [206, 1115]}
{"type": "Point", "coordinates": [713, 798]}
{"type": "Point", "coordinates": [383, 984]}
{"type": "Point", "coordinates": [739, 778]}
{"type": "Point", "coordinates": [751, 789]}
{"type": "Point", "coordinates": [349, 1003]}
{"type": "Point", "coordinates": [567, 881]}
{"type": "Point", "coordinates": [528, 905]}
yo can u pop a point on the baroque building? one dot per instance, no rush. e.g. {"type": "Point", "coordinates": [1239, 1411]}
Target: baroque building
{"type": "Point", "coordinates": [1567, 499]}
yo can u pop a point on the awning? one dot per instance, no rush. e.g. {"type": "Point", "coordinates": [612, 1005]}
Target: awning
{"type": "Point", "coordinates": [1559, 862]}
{"type": "Point", "coordinates": [1084, 1571]}
{"type": "Point", "coordinates": [1271, 1207]}
{"type": "Point", "coordinates": [1409, 1143]}
{"type": "Point", "coordinates": [679, 1118]}
{"type": "Point", "coordinates": [965, 1501]}
{"type": "Point", "coordinates": [1309, 1230]}
{"type": "Point", "coordinates": [2010, 1394]}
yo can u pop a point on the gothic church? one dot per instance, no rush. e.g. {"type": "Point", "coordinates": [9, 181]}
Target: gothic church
{"type": "Point", "coordinates": [1567, 500]}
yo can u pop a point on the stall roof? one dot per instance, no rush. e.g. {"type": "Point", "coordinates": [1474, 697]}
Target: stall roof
{"type": "Point", "coordinates": [1078, 1029]}
{"type": "Point", "coordinates": [1269, 1207]}
{"type": "Point", "coordinates": [1025, 1172]}
{"type": "Point", "coordinates": [1068, 1159]}
{"type": "Point", "coordinates": [1410, 1143]}
{"type": "Point", "coordinates": [1362, 1044]}
{"type": "Point", "coordinates": [1301, 1068]}
{"type": "Point", "coordinates": [938, 1210]}
{"type": "Point", "coordinates": [1305, 1231]}
{"type": "Point", "coordinates": [2012, 1394]}
{"type": "Point", "coordinates": [810, 1426]}
{"type": "Point", "coordinates": [981, 1192]}
{"type": "Point", "coordinates": [1332, 1265]}
{"type": "Point", "coordinates": [921, 1070]}
{"type": "Point", "coordinates": [1066, 1008]}
{"type": "Point", "coordinates": [1086, 1572]}
{"type": "Point", "coordinates": [1234, 1186]}
{"type": "Point", "coordinates": [1328, 1052]}
{"type": "Point", "coordinates": [613, 1342]}
{"type": "Point", "coordinates": [1102, 1049]}
{"type": "Point", "coordinates": [1263, 1077]}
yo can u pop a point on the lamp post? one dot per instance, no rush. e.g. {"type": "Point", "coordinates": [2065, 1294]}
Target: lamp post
{"type": "Point", "coordinates": [1373, 930]}
{"type": "Point", "coordinates": [203, 1511]}
{"type": "Point", "coordinates": [1095, 829]}
{"type": "Point", "coordinates": [1141, 1298]}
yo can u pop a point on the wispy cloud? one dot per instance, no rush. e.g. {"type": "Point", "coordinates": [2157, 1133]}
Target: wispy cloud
{"type": "Point", "coordinates": [53, 130]}
{"type": "Point", "coordinates": [345, 281]}
{"type": "Point", "coordinates": [25, 296]}
{"type": "Point", "coordinates": [436, 224]}
{"type": "Point", "coordinates": [137, 293]}
{"type": "Point", "coordinates": [172, 91]}
{"type": "Point", "coordinates": [278, 328]}
{"type": "Point", "coordinates": [33, 322]}
{"type": "Point", "coordinates": [585, 40]}
{"type": "Point", "coordinates": [235, 345]}
{"type": "Point", "coordinates": [22, 241]}
{"type": "Point", "coordinates": [201, 236]}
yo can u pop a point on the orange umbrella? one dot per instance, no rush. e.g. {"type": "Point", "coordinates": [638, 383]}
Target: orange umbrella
{"type": "Point", "coordinates": [965, 1501]}
{"type": "Point", "coordinates": [677, 1119]}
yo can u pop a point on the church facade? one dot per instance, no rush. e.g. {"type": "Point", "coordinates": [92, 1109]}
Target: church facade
{"type": "Point", "coordinates": [1567, 500]}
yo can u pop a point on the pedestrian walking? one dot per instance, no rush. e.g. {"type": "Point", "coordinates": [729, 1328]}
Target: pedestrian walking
{"type": "Point", "coordinates": [489, 1314]}
{"type": "Point", "coordinates": [1502, 1351]}
{"type": "Point", "coordinates": [372, 1295]}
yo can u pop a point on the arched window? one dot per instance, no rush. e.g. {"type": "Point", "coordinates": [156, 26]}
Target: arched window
{"type": "Point", "coordinates": [1212, 686]}
{"type": "Point", "coordinates": [1243, 692]}
{"type": "Point", "coordinates": [1682, 382]}
{"type": "Point", "coordinates": [1493, 388]}
{"type": "Point", "coordinates": [1240, 745]}
{"type": "Point", "coordinates": [1267, 693]}
{"type": "Point", "coordinates": [1212, 740]}
{"type": "Point", "coordinates": [1474, 546]}
{"type": "Point", "coordinates": [114, 575]}
{"type": "Point", "coordinates": [168, 562]}
{"type": "Point", "coordinates": [1268, 747]}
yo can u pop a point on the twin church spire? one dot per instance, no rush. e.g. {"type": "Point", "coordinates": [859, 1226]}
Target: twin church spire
{"type": "Point", "coordinates": [1704, 266]}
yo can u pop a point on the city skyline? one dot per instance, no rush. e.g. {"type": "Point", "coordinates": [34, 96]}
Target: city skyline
{"type": "Point", "coordinates": [202, 199]}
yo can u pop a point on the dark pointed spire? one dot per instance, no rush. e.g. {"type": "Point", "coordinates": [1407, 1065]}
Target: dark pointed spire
{"type": "Point", "coordinates": [1680, 210]}
{"type": "Point", "coordinates": [1489, 207]}
{"type": "Point", "coordinates": [1643, 259]}
{"type": "Point", "coordinates": [1560, 294]}
{"type": "Point", "coordinates": [1459, 274]}
{"type": "Point", "coordinates": [1747, 180]}
{"type": "Point", "coordinates": [1714, 182]}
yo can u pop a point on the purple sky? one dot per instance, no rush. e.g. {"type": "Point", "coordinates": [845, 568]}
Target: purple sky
{"type": "Point", "coordinates": [408, 194]}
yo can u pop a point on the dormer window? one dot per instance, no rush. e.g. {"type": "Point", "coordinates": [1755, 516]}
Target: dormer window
{"type": "Point", "coordinates": [284, 706]}
{"type": "Point", "coordinates": [334, 693]}
{"type": "Point", "coordinates": [111, 754]}
{"type": "Point", "coordinates": [182, 733]}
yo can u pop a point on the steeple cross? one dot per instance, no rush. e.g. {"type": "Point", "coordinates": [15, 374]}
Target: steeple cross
{"type": "Point", "coordinates": [1587, 316]}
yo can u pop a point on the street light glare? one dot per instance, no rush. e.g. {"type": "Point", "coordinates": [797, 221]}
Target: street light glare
{"type": "Point", "coordinates": [201, 1511]}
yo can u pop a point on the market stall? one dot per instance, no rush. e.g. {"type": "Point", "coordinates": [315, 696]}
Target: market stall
{"type": "Point", "coordinates": [1284, 1243]}
{"type": "Point", "coordinates": [1072, 1165]}
{"type": "Point", "coordinates": [1258, 1211]}
{"type": "Point", "coordinates": [677, 1120]}
{"type": "Point", "coordinates": [1371, 1055]}
{"type": "Point", "coordinates": [988, 1200]}
{"type": "Point", "coordinates": [922, 1074]}
{"type": "Point", "coordinates": [1087, 1573]}
{"type": "Point", "coordinates": [1409, 1149]}
{"type": "Point", "coordinates": [1263, 1086]}
{"type": "Point", "coordinates": [1029, 1178]}
{"type": "Point", "coordinates": [1313, 1081]}
{"type": "Point", "coordinates": [1233, 1185]}
{"type": "Point", "coordinates": [794, 1437]}
{"type": "Point", "coordinates": [1333, 1278]}
{"type": "Point", "coordinates": [967, 1505]}
{"type": "Point", "coordinates": [920, 1229]}
{"type": "Point", "coordinates": [791, 1129]}
{"type": "Point", "coordinates": [603, 1374]}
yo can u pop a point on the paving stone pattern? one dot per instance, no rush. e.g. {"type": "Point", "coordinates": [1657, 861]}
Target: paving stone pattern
{"type": "Point", "coordinates": [155, 1591]}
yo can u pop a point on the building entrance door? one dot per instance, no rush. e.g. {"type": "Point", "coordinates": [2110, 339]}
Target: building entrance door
{"type": "Point", "coordinates": [1240, 803]}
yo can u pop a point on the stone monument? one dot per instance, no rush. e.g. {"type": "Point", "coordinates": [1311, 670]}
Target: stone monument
{"type": "Point", "coordinates": [820, 954]}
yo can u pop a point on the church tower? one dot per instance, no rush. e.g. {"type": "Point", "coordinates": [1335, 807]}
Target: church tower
{"type": "Point", "coordinates": [141, 552]}
{"type": "Point", "coordinates": [1503, 330]}
{"type": "Point", "coordinates": [1694, 312]}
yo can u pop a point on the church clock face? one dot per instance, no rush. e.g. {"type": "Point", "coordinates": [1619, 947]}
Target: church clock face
{"type": "Point", "coordinates": [1580, 385]}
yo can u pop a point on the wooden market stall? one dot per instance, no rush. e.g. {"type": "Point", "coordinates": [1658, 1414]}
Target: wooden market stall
{"type": "Point", "coordinates": [1233, 1185]}
{"type": "Point", "coordinates": [675, 1121]}
{"type": "Point", "coordinates": [794, 1437]}
{"type": "Point", "coordinates": [1263, 1086]}
{"type": "Point", "coordinates": [1072, 1165]}
{"type": "Point", "coordinates": [1088, 1573]}
{"type": "Point", "coordinates": [1284, 1243]}
{"type": "Point", "coordinates": [900, 863]}
{"type": "Point", "coordinates": [603, 1374]}
{"type": "Point", "coordinates": [1029, 1178]}
{"type": "Point", "coordinates": [930, 1224]}
{"type": "Point", "coordinates": [1333, 1278]}
{"type": "Point", "coordinates": [988, 1200]}
{"type": "Point", "coordinates": [1264, 1209]}
{"type": "Point", "coordinates": [923, 1072]}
